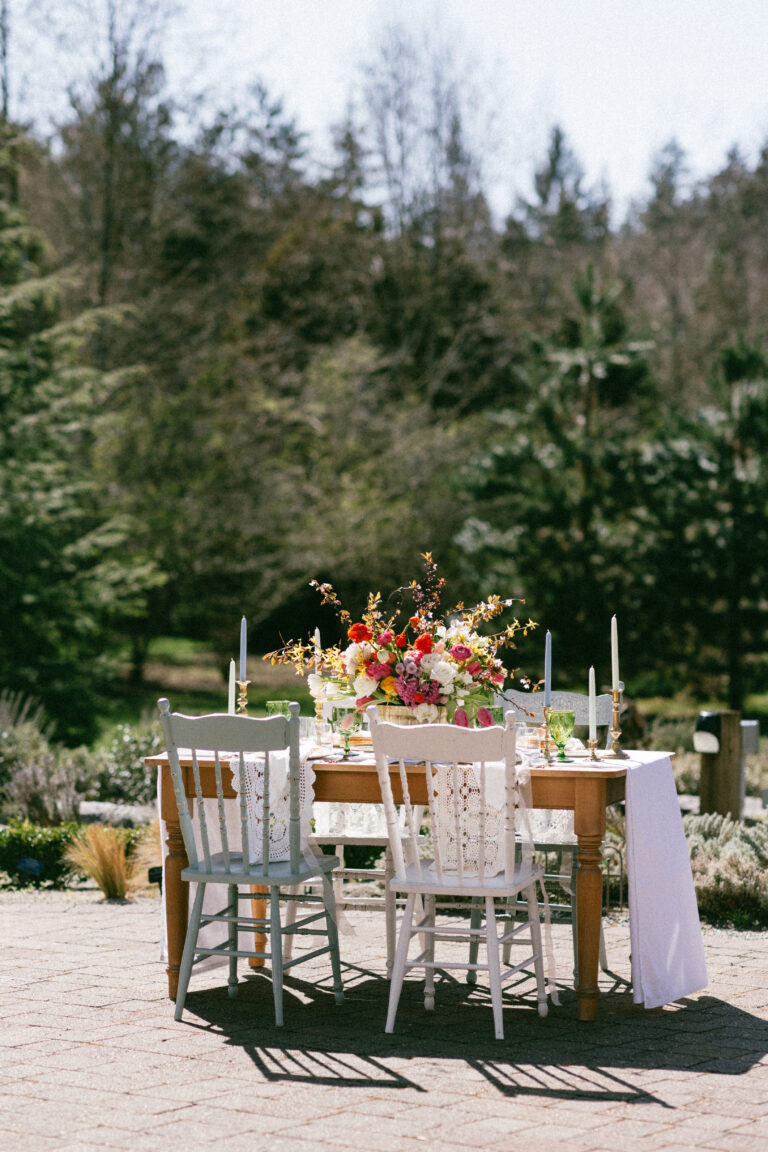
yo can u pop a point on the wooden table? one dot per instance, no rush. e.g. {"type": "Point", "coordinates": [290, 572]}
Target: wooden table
{"type": "Point", "coordinates": [586, 791]}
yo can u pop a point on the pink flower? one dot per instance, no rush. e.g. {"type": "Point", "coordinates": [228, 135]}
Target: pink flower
{"type": "Point", "coordinates": [385, 638]}
{"type": "Point", "coordinates": [440, 646]}
{"type": "Point", "coordinates": [461, 652]}
{"type": "Point", "coordinates": [474, 668]}
{"type": "Point", "coordinates": [461, 718]}
{"type": "Point", "coordinates": [484, 718]}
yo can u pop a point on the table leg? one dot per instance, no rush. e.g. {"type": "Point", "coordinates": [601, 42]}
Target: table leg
{"type": "Point", "coordinates": [259, 910]}
{"type": "Point", "coordinates": [176, 894]}
{"type": "Point", "coordinates": [589, 824]}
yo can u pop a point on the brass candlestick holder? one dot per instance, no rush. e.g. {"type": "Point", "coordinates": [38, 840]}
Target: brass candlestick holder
{"type": "Point", "coordinates": [547, 745]}
{"type": "Point", "coordinates": [242, 697]}
{"type": "Point", "coordinates": [592, 745]}
{"type": "Point", "coordinates": [616, 751]}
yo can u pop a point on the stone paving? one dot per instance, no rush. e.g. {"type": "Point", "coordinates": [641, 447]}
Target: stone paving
{"type": "Point", "coordinates": [92, 1058]}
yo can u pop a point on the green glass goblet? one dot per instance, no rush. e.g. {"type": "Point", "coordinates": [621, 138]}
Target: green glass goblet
{"type": "Point", "coordinates": [561, 729]}
{"type": "Point", "coordinates": [345, 721]}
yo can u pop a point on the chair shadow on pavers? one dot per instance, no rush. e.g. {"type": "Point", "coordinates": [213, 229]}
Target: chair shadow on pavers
{"type": "Point", "coordinates": [558, 1058]}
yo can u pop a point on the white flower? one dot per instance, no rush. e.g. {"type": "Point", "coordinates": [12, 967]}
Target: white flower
{"type": "Point", "coordinates": [316, 685]}
{"type": "Point", "coordinates": [444, 673]}
{"type": "Point", "coordinates": [364, 685]}
{"type": "Point", "coordinates": [425, 713]}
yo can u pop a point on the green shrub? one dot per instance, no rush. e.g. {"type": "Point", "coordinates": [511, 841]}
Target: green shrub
{"type": "Point", "coordinates": [33, 855]}
{"type": "Point", "coordinates": [729, 861]}
{"type": "Point", "coordinates": [121, 775]}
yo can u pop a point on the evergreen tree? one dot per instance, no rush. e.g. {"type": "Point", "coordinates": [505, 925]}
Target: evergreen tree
{"type": "Point", "coordinates": [66, 582]}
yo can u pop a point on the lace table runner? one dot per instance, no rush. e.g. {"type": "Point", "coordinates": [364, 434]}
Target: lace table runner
{"type": "Point", "coordinates": [279, 806]}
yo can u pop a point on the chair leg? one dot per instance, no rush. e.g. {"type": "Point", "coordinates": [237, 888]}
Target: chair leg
{"type": "Point", "coordinates": [338, 879]}
{"type": "Point", "coordinates": [401, 956]}
{"type": "Point", "coordinates": [333, 937]}
{"type": "Point", "coordinates": [475, 920]}
{"type": "Point", "coordinates": [390, 910]}
{"type": "Point", "coordinates": [429, 949]}
{"type": "Point", "coordinates": [538, 957]}
{"type": "Point", "coordinates": [232, 936]}
{"type": "Point", "coordinates": [290, 918]}
{"type": "Point", "coordinates": [575, 916]}
{"type": "Point", "coordinates": [188, 955]}
{"type": "Point", "coordinates": [276, 950]}
{"type": "Point", "coordinates": [494, 966]}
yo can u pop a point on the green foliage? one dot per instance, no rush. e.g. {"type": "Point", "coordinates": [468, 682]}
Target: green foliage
{"type": "Point", "coordinates": [122, 776]}
{"type": "Point", "coordinates": [31, 855]}
{"type": "Point", "coordinates": [730, 869]}
{"type": "Point", "coordinates": [35, 856]}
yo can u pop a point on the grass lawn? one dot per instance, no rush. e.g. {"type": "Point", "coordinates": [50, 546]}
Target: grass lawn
{"type": "Point", "coordinates": [188, 674]}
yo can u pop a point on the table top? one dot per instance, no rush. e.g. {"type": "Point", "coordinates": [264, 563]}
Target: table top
{"type": "Point", "coordinates": [607, 766]}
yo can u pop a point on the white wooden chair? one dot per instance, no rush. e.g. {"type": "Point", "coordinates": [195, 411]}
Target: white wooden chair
{"type": "Point", "coordinates": [472, 790]}
{"type": "Point", "coordinates": [267, 851]}
{"type": "Point", "coordinates": [552, 829]}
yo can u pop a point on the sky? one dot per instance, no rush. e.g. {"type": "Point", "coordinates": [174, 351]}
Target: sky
{"type": "Point", "coordinates": [622, 77]}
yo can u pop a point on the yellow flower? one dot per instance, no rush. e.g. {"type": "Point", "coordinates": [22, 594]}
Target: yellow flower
{"type": "Point", "coordinates": [388, 685]}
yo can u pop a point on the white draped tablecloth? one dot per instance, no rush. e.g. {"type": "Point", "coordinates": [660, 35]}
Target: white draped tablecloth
{"type": "Point", "coordinates": [665, 934]}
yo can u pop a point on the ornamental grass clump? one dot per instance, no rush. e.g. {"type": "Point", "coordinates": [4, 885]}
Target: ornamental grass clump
{"type": "Point", "coordinates": [729, 861]}
{"type": "Point", "coordinates": [101, 854]}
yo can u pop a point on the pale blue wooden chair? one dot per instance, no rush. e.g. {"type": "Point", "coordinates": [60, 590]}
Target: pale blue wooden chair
{"type": "Point", "coordinates": [247, 858]}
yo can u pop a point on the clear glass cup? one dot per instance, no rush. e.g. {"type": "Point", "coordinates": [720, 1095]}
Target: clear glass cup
{"type": "Point", "coordinates": [278, 707]}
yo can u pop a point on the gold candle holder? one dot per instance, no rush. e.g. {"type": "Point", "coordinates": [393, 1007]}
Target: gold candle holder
{"type": "Point", "coordinates": [592, 745]}
{"type": "Point", "coordinates": [242, 697]}
{"type": "Point", "coordinates": [547, 747]}
{"type": "Point", "coordinates": [616, 752]}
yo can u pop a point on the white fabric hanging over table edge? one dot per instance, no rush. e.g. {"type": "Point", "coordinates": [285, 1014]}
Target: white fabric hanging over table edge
{"type": "Point", "coordinates": [665, 933]}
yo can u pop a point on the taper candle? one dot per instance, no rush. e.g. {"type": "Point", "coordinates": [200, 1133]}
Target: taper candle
{"type": "Point", "coordinates": [614, 655]}
{"type": "Point", "coordinates": [317, 649]}
{"type": "Point", "coordinates": [592, 706]}
{"type": "Point", "coordinates": [548, 670]}
{"type": "Point", "coordinates": [243, 648]}
{"type": "Point", "coordinates": [231, 694]}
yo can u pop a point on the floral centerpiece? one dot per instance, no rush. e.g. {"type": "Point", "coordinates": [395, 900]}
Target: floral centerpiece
{"type": "Point", "coordinates": [436, 664]}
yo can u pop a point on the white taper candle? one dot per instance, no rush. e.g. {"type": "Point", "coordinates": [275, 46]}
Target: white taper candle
{"type": "Point", "coordinates": [231, 694]}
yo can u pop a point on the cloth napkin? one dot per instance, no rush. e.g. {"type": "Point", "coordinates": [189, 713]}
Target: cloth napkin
{"type": "Point", "coordinates": [665, 933]}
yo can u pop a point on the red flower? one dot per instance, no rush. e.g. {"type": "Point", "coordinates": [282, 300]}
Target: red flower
{"type": "Point", "coordinates": [474, 668]}
{"type": "Point", "coordinates": [484, 718]}
{"type": "Point", "coordinates": [401, 641]}
{"type": "Point", "coordinates": [384, 638]}
{"type": "Point", "coordinates": [423, 643]}
{"type": "Point", "coordinates": [418, 697]}
{"type": "Point", "coordinates": [359, 632]}
{"type": "Point", "coordinates": [415, 621]}
{"type": "Point", "coordinates": [461, 718]}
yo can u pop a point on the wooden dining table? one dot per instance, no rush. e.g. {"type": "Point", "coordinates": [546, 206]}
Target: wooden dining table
{"type": "Point", "coordinates": [583, 787]}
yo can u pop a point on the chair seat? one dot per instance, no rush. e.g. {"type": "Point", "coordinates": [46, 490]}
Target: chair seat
{"type": "Point", "coordinates": [420, 878]}
{"type": "Point", "coordinates": [280, 872]}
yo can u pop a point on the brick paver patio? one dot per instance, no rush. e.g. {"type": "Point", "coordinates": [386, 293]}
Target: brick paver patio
{"type": "Point", "coordinates": [92, 1059]}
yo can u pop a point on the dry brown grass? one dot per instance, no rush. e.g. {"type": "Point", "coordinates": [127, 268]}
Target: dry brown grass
{"type": "Point", "coordinates": [100, 853]}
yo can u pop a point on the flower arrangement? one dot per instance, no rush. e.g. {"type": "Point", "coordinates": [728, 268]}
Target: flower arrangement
{"type": "Point", "coordinates": [427, 661]}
